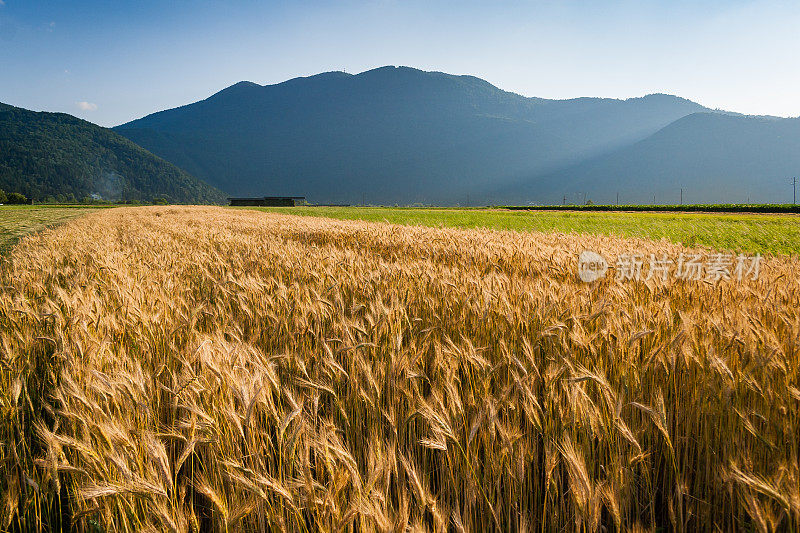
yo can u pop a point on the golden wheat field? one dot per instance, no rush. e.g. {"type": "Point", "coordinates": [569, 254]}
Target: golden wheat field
{"type": "Point", "coordinates": [205, 369]}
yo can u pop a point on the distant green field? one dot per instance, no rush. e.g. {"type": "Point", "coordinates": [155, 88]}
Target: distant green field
{"type": "Point", "coordinates": [751, 233]}
{"type": "Point", "coordinates": [16, 221]}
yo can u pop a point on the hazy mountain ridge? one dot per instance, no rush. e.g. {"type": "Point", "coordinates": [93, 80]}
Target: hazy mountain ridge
{"type": "Point", "coordinates": [713, 157]}
{"type": "Point", "coordinates": [392, 135]}
{"type": "Point", "coordinates": [61, 157]}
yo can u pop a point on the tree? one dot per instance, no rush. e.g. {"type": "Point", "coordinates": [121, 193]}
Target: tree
{"type": "Point", "coordinates": [16, 198]}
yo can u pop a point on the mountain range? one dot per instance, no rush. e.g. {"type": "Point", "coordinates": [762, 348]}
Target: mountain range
{"type": "Point", "coordinates": [391, 135]}
{"type": "Point", "coordinates": [402, 135]}
{"type": "Point", "coordinates": [398, 135]}
{"type": "Point", "coordinates": [58, 157]}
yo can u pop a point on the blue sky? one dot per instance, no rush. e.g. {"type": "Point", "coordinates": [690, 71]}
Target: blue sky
{"type": "Point", "coordinates": [113, 61]}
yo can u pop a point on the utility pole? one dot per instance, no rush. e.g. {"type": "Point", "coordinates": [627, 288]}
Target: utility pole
{"type": "Point", "coordinates": [363, 199]}
{"type": "Point", "coordinates": [564, 202]}
{"type": "Point", "coordinates": [617, 198]}
{"type": "Point", "coordinates": [794, 190]}
{"type": "Point", "coordinates": [681, 195]}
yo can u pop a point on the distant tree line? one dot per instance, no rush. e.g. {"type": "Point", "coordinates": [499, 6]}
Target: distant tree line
{"type": "Point", "coordinates": [707, 208]}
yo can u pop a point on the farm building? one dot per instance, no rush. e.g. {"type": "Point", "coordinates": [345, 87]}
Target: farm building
{"type": "Point", "coordinates": [269, 201]}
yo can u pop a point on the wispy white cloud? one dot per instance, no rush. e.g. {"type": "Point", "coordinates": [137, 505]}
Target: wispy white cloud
{"type": "Point", "coordinates": [87, 106]}
{"type": "Point", "coordinates": [2, 3]}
